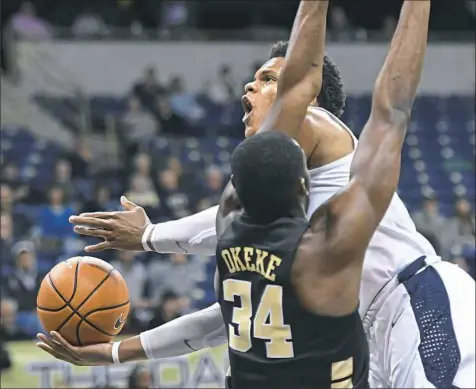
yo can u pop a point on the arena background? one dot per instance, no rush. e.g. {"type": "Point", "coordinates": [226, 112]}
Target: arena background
{"type": "Point", "coordinates": [101, 99]}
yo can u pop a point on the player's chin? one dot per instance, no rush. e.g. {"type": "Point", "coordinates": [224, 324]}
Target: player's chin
{"type": "Point", "coordinates": [249, 130]}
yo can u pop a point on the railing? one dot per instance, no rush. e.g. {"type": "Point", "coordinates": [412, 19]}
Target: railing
{"type": "Point", "coordinates": [44, 73]}
{"type": "Point", "coordinates": [255, 34]}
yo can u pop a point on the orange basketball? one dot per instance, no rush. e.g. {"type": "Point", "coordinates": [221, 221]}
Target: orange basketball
{"type": "Point", "coordinates": [84, 299]}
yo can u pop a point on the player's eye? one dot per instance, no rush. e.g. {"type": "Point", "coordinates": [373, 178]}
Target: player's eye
{"type": "Point", "coordinates": [269, 78]}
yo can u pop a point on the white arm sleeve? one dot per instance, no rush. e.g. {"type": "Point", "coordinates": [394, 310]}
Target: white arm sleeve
{"type": "Point", "coordinates": [194, 235]}
{"type": "Point", "coordinates": [186, 334]}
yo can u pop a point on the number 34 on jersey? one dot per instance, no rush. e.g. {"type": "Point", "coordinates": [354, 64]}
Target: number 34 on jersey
{"type": "Point", "coordinates": [268, 325]}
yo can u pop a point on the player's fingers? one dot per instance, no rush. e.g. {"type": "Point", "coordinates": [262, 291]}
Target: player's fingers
{"type": "Point", "coordinates": [127, 204]}
{"type": "Point", "coordinates": [53, 344]}
{"type": "Point", "coordinates": [64, 343]}
{"type": "Point", "coordinates": [91, 222]}
{"type": "Point", "coordinates": [96, 232]}
{"type": "Point", "coordinates": [99, 215]}
{"type": "Point", "coordinates": [58, 353]}
{"type": "Point", "coordinates": [98, 247]}
{"type": "Point", "coordinates": [51, 351]}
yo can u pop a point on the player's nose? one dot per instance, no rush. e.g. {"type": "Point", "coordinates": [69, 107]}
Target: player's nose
{"type": "Point", "coordinates": [250, 87]}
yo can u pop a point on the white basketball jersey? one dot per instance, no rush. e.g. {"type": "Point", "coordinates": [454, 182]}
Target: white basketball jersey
{"type": "Point", "coordinates": [395, 244]}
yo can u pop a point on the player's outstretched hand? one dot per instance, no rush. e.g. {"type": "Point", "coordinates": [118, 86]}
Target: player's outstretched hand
{"type": "Point", "coordinates": [120, 230]}
{"type": "Point", "coordinates": [57, 346]}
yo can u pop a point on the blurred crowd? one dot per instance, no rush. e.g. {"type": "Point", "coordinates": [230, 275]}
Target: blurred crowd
{"type": "Point", "coordinates": [36, 233]}
{"type": "Point", "coordinates": [174, 19]}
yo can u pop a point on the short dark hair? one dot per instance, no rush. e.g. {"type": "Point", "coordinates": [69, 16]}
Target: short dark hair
{"type": "Point", "coordinates": [332, 95]}
{"type": "Point", "coordinates": [266, 169]}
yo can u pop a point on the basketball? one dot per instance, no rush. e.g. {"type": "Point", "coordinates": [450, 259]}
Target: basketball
{"type": "Point", "coordinates": [84, 299]}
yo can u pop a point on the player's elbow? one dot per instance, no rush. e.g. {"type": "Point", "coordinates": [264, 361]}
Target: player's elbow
{"type": "Point", "coordinates": [395, 115]}
{"type": "Point", "coordinates": [300, 92]}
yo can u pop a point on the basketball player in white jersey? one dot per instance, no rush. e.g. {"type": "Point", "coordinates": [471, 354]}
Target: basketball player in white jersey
{"type": "Point", "coordinates": [418, 312]}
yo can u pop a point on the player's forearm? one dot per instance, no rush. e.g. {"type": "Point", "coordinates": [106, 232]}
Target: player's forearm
{"type": "Point", "coordinates": [305, 56]}
{"type": "Point", "coordinates": [185, 335]}
{"type": "Point", "coordinates": [375, 168]}
{"type": "Point", "coordinates": [181, 336]}
{"type": "Point", "coordinates": [193, 234]}
{"type": "Point", "coordinates": [397, 83]}
{"type": "Point", "coordinates": [300, 80]}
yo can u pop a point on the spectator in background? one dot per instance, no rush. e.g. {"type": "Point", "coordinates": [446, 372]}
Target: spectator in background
{"type": "Point", "coordinates": [5, 359]}
{"type": "Point", "coordinates": [89, 24]}
{"type": "Point", "coordinates": [340, 27]}
{"type": "Point", "coordinates": [142, 192]}
{"type": "Point", "coordinates": [170, 122]}
{"type": "Point", "coordinates": [183, 103]}
{"type": "Point", "coordinates": [6, 238]}
{"type": "Point", "coordinates": [11, 176]}
{"type": "Point", "coordinates": [63, 178]}
{"type": "Point", "coordinates": [125, 16]}
{"type": "Point", "coordinates": [27, 25]}
{"type": "Point", "coordinates": [53, 225]}
{"type": "Point", "coordinates": [388, 26]}
{"type": "Point", "coordinates": [143, 165]}
{"type": "Point", "coordinates": [101, 201]}
{"type": "Point", "coordinates": [23, 284]}
{"type": "Point", "coordinates": [171, 308]}
{"type": "Point", "coordinates": [179, 274]}
{"type": "Point", "coordinates": [186, 177]}
{"type": "Point", "coordinates": [9, 330]}
{"type": "Point", "coordinates": [431, 223]}
{"type": "Point", "coordinates": [149, 88]}
{"type": "Point", "coordinates": [6, 198]}
{"type": "Point", "coordinates": [135, 275]}
{"type": "Point", "coordinates": [465, 257]}
{"type": "Point", "coordinates": [22, 224]}
{"type": "Point", "coordinates": [139, 378]}
{"type": "Point", "coordinates": [19, 189]}
{"type": "Point", "coordinates": [214, 184]}
{"type": "Point", "coordinates": [204, 204]}
{"type": "Point", "coordinates": [80, 158]}
{"type": "Point", "coordinates": [138, 125]}
{"type": "Point", "coordinates": [223, 88]}
{"type": "Point", "coordinates": [462, 225]}
{"type": "Point", "coordinates": [175, 202]}
{"type": "Point", "coordinates": [174, 164]}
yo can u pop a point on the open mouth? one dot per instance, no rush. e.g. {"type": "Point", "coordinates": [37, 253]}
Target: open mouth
{"type": "Point", "coordinates": [247, 107]}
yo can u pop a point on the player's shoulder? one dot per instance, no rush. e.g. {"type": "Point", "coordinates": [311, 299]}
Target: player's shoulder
{"type": "Point", "coordinates": [319, 115]}
{"type": "Point", "coordinates": [228, 210]}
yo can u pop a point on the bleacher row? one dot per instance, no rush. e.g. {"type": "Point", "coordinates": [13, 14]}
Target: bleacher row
{"type": "Point", "coordinates": [438, 157]}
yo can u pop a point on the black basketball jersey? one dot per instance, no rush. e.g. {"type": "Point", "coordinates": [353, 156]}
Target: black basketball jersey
{"type": "Point", "coordinates": [273, 341]}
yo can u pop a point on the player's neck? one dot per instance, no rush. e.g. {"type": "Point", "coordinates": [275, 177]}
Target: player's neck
{"type": "Point", "coordinates": [292, 213]}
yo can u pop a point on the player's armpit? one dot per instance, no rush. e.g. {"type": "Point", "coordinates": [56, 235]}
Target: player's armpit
{"type": "Point", "coordinates": [336, 225]}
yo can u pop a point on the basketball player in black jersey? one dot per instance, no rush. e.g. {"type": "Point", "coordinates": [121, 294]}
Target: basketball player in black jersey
{"type": "Point", "coordinates": [288, 287]}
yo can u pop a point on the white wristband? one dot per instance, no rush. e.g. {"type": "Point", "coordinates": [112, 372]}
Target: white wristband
{"type": "Point", "coordinates": [115, 353]}
{"type": "Point", "coordinates": [146, 238]}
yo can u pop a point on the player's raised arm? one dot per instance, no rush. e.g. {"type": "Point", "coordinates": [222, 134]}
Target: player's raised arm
{"type": "Point", "coordinates": [300, 80]}
{"type": "Point", "coordinates": [351, 216]}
